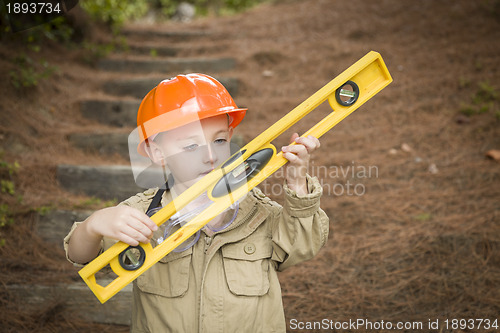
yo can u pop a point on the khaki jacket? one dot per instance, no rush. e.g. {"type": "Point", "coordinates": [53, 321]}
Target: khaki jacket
{"type": "Point", "coordinates": [229, 282]}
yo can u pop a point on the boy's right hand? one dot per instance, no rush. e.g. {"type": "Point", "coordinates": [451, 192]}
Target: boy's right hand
{"type": "Point", "coordinates": [122, 223]}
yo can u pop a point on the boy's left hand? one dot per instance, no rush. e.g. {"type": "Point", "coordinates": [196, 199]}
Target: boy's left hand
{"type": "Point", "coordinates": [298, 156]}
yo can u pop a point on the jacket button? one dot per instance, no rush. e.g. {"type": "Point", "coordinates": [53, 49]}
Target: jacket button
{"type": "Point", "coordinates": [249, 248]}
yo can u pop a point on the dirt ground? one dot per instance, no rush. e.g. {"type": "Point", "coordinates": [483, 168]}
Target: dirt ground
{"type": "Point", "coordinates": [415, 229]}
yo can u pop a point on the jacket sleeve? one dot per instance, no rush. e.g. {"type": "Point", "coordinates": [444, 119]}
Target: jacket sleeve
{"type": "Point", "coordinates": [301, 228]}
{"type": "Point", "coordinates": [106, 243]}
{"type": "Point", "coordinates": [139, 201]}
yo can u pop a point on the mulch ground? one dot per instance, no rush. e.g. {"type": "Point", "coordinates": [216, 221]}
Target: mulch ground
{"type": "Point", "coordinates": [418, 235]}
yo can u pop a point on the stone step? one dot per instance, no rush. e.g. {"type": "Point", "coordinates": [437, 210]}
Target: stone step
{"type": "Point", "coordinates": [54, 225]}
{"type": "Point", "coordinates": [160, 49]}
{"type": "Point", "coordinates": [167, 65]}
{"type": "Point", "coordinates": [138, 88]}
{"type": "Point", "coordinates": [107, 144]}
{"type": "Point", "coordinates": [78, 298]}
{"type": "Point", "coordinates": [113, 112]}
{"type": "Point", "coordinates": [154, 50]}
{"type": "Point", "coordinates": [145, 34]}
{"type": "Point", "coordinates": [106, 182]}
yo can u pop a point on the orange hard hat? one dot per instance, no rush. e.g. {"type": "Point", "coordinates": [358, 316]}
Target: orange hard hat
{"type": "Point", "coordinates": [181, 100]}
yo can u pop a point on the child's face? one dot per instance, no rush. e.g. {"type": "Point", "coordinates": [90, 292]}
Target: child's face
{"type": "Point", "coordinates": [193, 150]}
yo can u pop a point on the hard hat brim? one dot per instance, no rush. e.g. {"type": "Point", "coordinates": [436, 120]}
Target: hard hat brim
{"type": "Point", "coordinates": [162, 124]}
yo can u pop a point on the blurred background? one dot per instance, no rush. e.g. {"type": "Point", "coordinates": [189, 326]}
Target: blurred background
{"type": "Point", "coordinates": [411, 179]}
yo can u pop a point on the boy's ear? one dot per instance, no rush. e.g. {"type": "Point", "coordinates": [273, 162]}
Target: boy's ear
{"type": "Point", "coordinates": [230, 132]}
{"type": "Point", "coordinates": [155, 153]}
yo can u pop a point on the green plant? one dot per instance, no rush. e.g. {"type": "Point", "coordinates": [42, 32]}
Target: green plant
{"type": "Point", "coordinates": [423, 217]}
{"type": "Point", "coordinates": [484, 100]}
{"type": "Point", "coordinates": [5, 219]}
{"type": "Point", "coordinates": [96, 51]}
{"type": "Point", "coordinates": [7, 186]}
{"type": "Point", "coordinates": [44, 210]}
{"type": "Point", "coordinates": [467, 109]}
{"type": "Point", "coordinates": [7, 171]}
{"type": "Point", "coordinates": [239, 5]}
{"type": "Point", "coordinates": [167, 7]}
{"type": "Point", "coordinates": [5, 216]}
{"type": "Point", "coordinates": [11, 168]}
{"type": "Point", "coordinates": [58, 30]}
{"type": "Point", "coordinates": [485, 93]}
{"type": "Point", "coordinates": [203, 7]}
{"type": "Point", "coordinates": [94, 202]}
{"type": "Point", "coordinates": [29, 72]}
{"type": "Point", "coordinates": [115, 12]}
{"type": "Point", "coordinates": [463, 82]}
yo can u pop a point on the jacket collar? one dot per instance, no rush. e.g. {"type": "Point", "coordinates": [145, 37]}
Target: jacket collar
{"type": "Point", "coordinates": [250, 217]}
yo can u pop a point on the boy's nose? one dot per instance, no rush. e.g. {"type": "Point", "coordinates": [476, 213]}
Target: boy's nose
{"type": "Point", "coordinates": [210, 155]}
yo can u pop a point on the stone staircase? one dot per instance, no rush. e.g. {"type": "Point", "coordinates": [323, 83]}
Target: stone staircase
{"type": "Point", "coordinates": [118, 111]}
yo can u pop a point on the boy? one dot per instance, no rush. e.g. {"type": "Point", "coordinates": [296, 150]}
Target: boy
{"type": "Point", "coordinates": [225, 281]}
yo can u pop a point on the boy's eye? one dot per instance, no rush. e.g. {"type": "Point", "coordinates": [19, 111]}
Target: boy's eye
{"type": "Point", "coordinates": [191, 147]}
{"type": "Point", "coordinates": [220, 141]}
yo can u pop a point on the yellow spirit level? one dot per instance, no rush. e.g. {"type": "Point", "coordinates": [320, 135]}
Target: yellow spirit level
{"type": "Point", "coordinates": [240, 173]}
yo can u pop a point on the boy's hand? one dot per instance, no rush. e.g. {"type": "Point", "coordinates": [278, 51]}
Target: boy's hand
{"type": "Point", "coordinates": [298, 156]}
{"type": "Point", "coordinates": [123, 223]}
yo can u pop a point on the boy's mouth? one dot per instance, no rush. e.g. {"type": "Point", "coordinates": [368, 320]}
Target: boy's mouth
{"type": "Point", "coordinates": [206, 172]}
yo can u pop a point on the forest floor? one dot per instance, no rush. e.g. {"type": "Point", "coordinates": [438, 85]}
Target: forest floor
{"type": "Point", "coordinates": [412, 194]}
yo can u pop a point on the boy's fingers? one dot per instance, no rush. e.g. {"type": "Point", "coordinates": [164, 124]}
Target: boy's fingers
{"type": "Point", "coordinates": [310, 142]}
{"type": "Point", "coordinates": [300, 150]}
{"type": "Point", "coordinates": [144, 230]}
{"type": "Point", "coordinates": [128, 240]}
{"type": "Point", "coordinates": [136, 235]}
{"type": "Point", "coordinates": [309, 138]}
{"type": "Point", "coordinates": [315, 140]}
{"type": "Point", "coordinates": [291, 157]}
{"type": "Point", "coordinates": [144, 219]}
{"type": "Point", "coordinates": [140, 227]}
{"type": "Point", "coordinates": [149, 223]}
{"type": "Point", "coordinates": [294, 137]}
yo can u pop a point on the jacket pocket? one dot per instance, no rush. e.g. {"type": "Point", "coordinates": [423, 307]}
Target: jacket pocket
{"type": "Point", "coordinates": [246, 266]}
{"type": "Point", "coordinates": [169, 277]}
